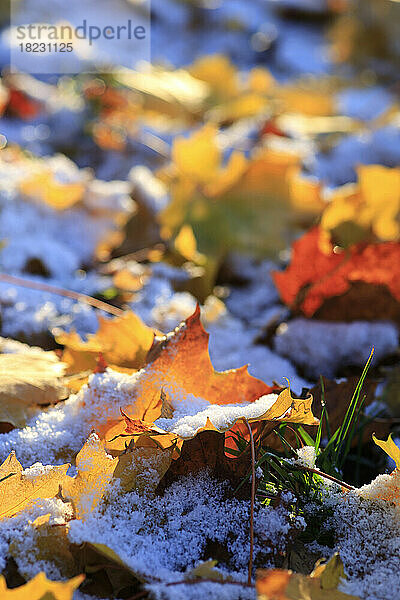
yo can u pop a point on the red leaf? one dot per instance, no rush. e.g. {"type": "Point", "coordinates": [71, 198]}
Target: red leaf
{"type": "Point", "coordinates": [314, 276]}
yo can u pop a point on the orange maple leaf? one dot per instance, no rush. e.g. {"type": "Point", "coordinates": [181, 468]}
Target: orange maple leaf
{"type": "Point", "coordinates": [181, 362]}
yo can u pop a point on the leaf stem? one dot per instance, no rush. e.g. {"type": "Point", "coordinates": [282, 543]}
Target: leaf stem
{"type": "Point", "coordinates": [253, 494]}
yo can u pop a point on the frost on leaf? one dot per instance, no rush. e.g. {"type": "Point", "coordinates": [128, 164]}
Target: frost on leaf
{"type": "Point", "coordinates": [361, 281]}
{"type": "Point", "coordinates": [181, 372]}
{"type": "Point", "coordinates": [180, 363]}
{"type": "Point", "coordinates": [41, 588]}
{"type": "Point", "coordinates": [95, 470]}
{"type": "Point", "coordinates": [139, 468]}
{"type": "Point", "coordinates": [19, 489]}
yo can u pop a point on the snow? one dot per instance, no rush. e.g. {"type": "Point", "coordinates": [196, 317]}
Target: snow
{"type": "Point", "coordinates": [306, 456]}
{"type": "Point", "coordinates": [166, 536]}
{"type": "Point", "coordinates": [222, 417]}
{"type": "Point", "coordinates": [19, 538]}
{"type": "Point", "coordinates": [364, 103]}
{"type": "Point", "coordinates": [368, 536]}
{"type": "Point", "coordinates": [55, 436]}
{"type": "Point", "coordinates": [169, 535]}
{"type": "Point", "coordinates": [320, 347]}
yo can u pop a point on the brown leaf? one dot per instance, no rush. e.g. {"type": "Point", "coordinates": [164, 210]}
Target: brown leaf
{"type": "Point", "coordinates": [181, 365]}
{"type": "Point", "coordinates": [107, 575]}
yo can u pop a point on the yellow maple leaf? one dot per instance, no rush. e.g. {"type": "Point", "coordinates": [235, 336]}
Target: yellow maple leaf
{"type": "Point", "coordinates": [390, 448]}
{"type": "Point", "coordinates": [95, 470]}
{"type": "Point", "coordinates": [19, 489]}
{"type": "Point", "coordinates": [243, 205]}
{"type": "Point", "coordinates": [44, 187]}
{"type": "Point", "coordinates": [123, 342]}
{"type": "Point", "coordinates": [370, 207]}
{"type": "Point", "coordinates": [218, 72]}
{"type": "Point", "coordinates": [41, 588]}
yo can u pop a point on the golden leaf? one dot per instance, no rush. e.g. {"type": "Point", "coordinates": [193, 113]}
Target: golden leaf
{"type": "Point", "coordinates": [19, 489]}
{"type": "Point", "coordinates": [44, 187]}
{"type": "Point", "coordinates": [41, 588]}
{"type": "Point", "coordinates": [27, 382]}
{"type": "Point", "coordinates": [123, 341]}
{"type": "Point", "coordinates": [370, 207]}
{"type": "Point", "coordinates": [243, 205]}
{"type": "Point", "coordinates": [218, 72]}
{"type": "Point", "coordinates": [95, 470]}
{"type": "Point", "coordinates": [279, 584]}
{"type": "Point", "coordinates": [390, 448]}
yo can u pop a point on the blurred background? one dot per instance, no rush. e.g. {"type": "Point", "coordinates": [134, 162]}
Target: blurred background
{"type": "Point", "coordinates": [153, 184]}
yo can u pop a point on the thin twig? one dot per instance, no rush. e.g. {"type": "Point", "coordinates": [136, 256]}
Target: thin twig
{"type": "Point", "coordinates": [253, 494]}
{"type": "Point", "coordinates": [139, 595]}
{"type": "Point", "coordinates": [51, 289]}
{"type": "Point", "coordinates": [326, 476]}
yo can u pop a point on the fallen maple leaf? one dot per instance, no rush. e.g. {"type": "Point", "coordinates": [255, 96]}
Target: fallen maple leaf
{"type": "Point", "coordinates": [180, 368]}
{"type": "Point", "coordinates": [41, 588]}
{"type": "Point", "coordinates": [28, 382]}
{"type": "Point", "coordinates": [322, 584]}
{"type": "Point", "coordinates": [123, 342]}
{"type": "Point", "coordinates": [139, 468]}
{"type": "Point", "coordinates": [243, 205]}
{"type": "Point", "coordinates": [95, 470]}
{"type": "Point", "coordinates": [19, 489]}
{"type": "Point", "coordinates": [363, 275]}
{"type": "Point", "coordinates": [390, 448]}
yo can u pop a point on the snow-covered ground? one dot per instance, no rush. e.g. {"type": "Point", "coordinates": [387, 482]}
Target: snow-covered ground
{"type": "Point", "coordinates": [168, 535]}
